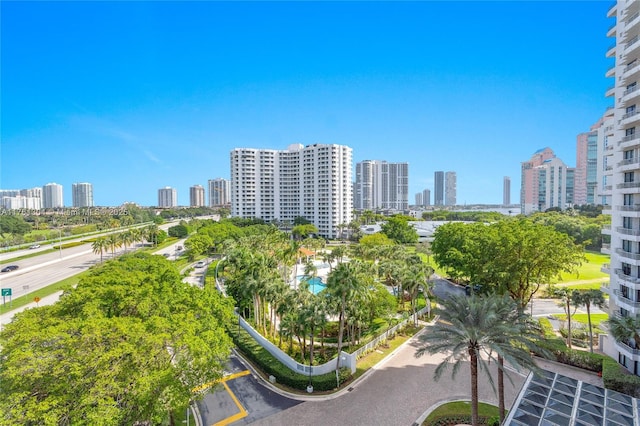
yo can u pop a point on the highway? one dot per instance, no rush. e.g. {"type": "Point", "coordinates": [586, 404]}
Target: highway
{"type": "Point", "coordinates": [40, 271]}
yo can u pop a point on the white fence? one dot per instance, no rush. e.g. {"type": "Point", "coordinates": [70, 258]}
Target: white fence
{"type": "Point", "coordinates": [346, 359]}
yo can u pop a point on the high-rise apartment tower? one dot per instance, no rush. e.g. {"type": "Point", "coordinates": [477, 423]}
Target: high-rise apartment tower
{"type": "Point", "coordinates": [313, 182]}
{"type": "Point", "coordinates": [381, 186]}
{"type": "Point", "coordinates": [196, 196]}
{"type": "Point", "coordinates": [438, 188]}
{"type": "Point", "coordinates": [82, 194]}
{"type": "Point", "coordinates": [167, 197]}
{"type": "Point", "coordinates": [624, 184]}
{"type": "Point", "coordinates": [52, 196]}
{"type": "Point", "coordinates": [450, 189]}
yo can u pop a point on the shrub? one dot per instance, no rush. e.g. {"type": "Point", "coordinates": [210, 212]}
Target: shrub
{"type": "Point", "coordinates": [69, 245]}
{"type": "Point", "coordinates": [616, 378]}
{"type": "Point", "coordinates": [271, 366]}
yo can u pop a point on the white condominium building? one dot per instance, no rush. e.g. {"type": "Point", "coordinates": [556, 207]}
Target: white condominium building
{"type": "Point", "coordinates": [82, 195]}
{"type": "Point", "coordinates": [314, 182]}
{"type": "Point", "coordinates": [167, 197]}
{"type": "Point", "coordinates": [219, 192]}
{"type": "Point", "coordinates": [52, 196]}
{"type": "Point", "coordinates": [381, 186]}
{"type": "Point", "coordinates": [624, 186]}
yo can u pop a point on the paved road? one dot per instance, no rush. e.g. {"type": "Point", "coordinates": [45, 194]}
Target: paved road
{"type": "Point", "coordinates": [41, 271]}
{"type": "Point", "coordinates": [396, 392]}
{"type": "Point", "coordinates": [241, 400]}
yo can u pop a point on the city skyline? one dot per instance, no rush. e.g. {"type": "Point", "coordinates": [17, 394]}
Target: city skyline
{"type": "Point", "coordinates": [132, 108]}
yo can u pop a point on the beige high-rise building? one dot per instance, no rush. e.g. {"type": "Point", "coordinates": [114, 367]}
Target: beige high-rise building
{"type": "Point", "coordinates": [196, 196]}
{"type": "Point", "coordinates": [219, 192]}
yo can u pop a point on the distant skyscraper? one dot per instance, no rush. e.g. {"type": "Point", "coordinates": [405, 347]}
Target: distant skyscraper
{"type": "Point", "coordinates": [196, 196]}
{"type": "Point", "coordinates": [219, 192]}
{"type": "Point", "coordinates": [426, 198]}
{"type": "Point", "coordinates": [381, 185]}
{"type": "Point", "coordinates": [52, 196]}
{"type": "Point", "coordinates": [506, 191]}
{"type": "Point", "coordinates": [438, 188]}
{"type": "Point", "coordinates": [313, 182]}
{"type": "Point", "coordinates": [587, 166]}
{"type": "Point", "coordinates": [167, 197]}
{"type": "Point", "coordinates": [82, 194]}
{"type": "Point", "coordinates": [450, 189]}
{"type": "Point", "coordinates": [546, 182]}
{"type": "Point", "coordinates": [418, 198]}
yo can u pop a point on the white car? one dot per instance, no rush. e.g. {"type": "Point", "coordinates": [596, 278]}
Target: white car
{"type": "Point", "coordinates": [35, 246]}
{"type": "Point", "coordinates": [200, 264]}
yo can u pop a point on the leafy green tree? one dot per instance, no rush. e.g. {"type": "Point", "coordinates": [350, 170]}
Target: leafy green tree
{"type": "Point", "coordinates": [198, 244]}
{"type": "Point", "coordinates": [375, 240]}
{"type": "Point", "coordinates": [301, 232]}
{"type": "Point", "coordinates": [179, 231]}
{"type": "Point", "coordinates": [513, 255]}
{"type": "Point", "coordinates": [589, 298]}
{"type": "Point", "coordinates": [126, 346]}
{"type": "Point", "coordinates": [399, 230]}
{"type": "Point", "coordinates": [469, 327]}
{"type": "Point", "coordinates": [13, 224]}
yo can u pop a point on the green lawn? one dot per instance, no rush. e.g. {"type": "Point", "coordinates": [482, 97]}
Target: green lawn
{"type": "Point", "coordinates": [460, 408]}
{"type": "Point", "coordinates": [589, 270]}
{"type": "Point", "coordinates": [596, 319]}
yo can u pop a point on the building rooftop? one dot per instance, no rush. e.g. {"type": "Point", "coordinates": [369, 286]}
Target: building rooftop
{"type": "Point", "coordinates": [550, 398]}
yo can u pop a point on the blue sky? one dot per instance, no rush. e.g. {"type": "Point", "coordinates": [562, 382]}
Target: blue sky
{"type": "Point", "coordinates": [135, 96]}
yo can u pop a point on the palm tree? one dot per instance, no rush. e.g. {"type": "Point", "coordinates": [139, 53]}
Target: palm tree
{"type": "Point", "coordinates": [99, 246]}
{"type": "Point", "coordinates": [567, 300]}
{"type": "Point", "coordinates": [341, 282]}
{"type": "Point", "coordinates": [125, 239]}
{"type": "Point", "coordinates": [589, 298]}
{"type": "Point", "coordinates": [625, 329]}
{"type": "Point", "coordinates": [113, 242]}
{"type": "Point", "coordinates": [469, 327]}
{"type": "Point", "coordinates": [523, 333]}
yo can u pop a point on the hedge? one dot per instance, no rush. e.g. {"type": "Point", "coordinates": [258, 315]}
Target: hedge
{"type": "Point", "coordinates": [613, 375]}
{"type": "Point", "coordinates": [272, 366]}
{"type": "Point", "coordinates": [461, 419]}
{"type": "Point", "coordinates": [69, 245]}
{"type": "Point", "coordinates": [615, 378]}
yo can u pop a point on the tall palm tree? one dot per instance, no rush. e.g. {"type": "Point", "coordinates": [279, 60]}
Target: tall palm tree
{"type": "Point", "coordinates": [567, 300]}
{"type": "Point", "coordinates": [588, 299]}
{"type": "Point", "coordinates": [523, 332]}
{"type": "Point", "coordinates": [469, 328]}
{"type": "Point", "coordinates": [99, 246]}
{"type": "Point", "coordinates": [341, 282]}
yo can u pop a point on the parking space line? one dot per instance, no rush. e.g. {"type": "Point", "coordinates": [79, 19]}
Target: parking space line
{"type": "Point", "coordinates": [224, 379]}
{"type": "Point", "coordinates": [242, 414]}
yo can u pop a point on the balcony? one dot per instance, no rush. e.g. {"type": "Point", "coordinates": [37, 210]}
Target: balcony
{"type": "Point", "coordinates": [605, 268]}
{"type": "Point", "coordinates": [629, 117]}
{"type": "Point", "coordinates": [611, 51]}
{"type": "Point", "coordinates": [629, 162]}
{"type": "Point", "coordinates": [629, 141]}
{"type": "Point", "coordinates": [627, 185]}
{"type": "Point", "coordinates": [613, 9]}
{"type": "Point", "coordinates": [610, 91]}
{"type": "Point", "coordinates": [627, 231]}
{"type": "Point", "coordinates": [627, 278]}
{"type": "Point", "coordinates": [631, 90]}
{"type": "Point", "coordinates": [610, 72]}
{"type": "Point", "coordinates": [633, 208]}
{"type": "Point", "coordinates": [627, 71]}
{"type": "Point", "coordinates": [604, 287]}
{"type": "Point", "coordinates": [626, 300]}
{"type": "Point", "coordinates": [606, 249]}
{"type": "Point", "coordinates": [628, 254]}
{"type": "Point", "coordinates": [626, 348]}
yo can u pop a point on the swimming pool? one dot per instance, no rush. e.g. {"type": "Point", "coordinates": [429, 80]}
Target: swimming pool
{"type": "Point", "coordinates": [315, 284]}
